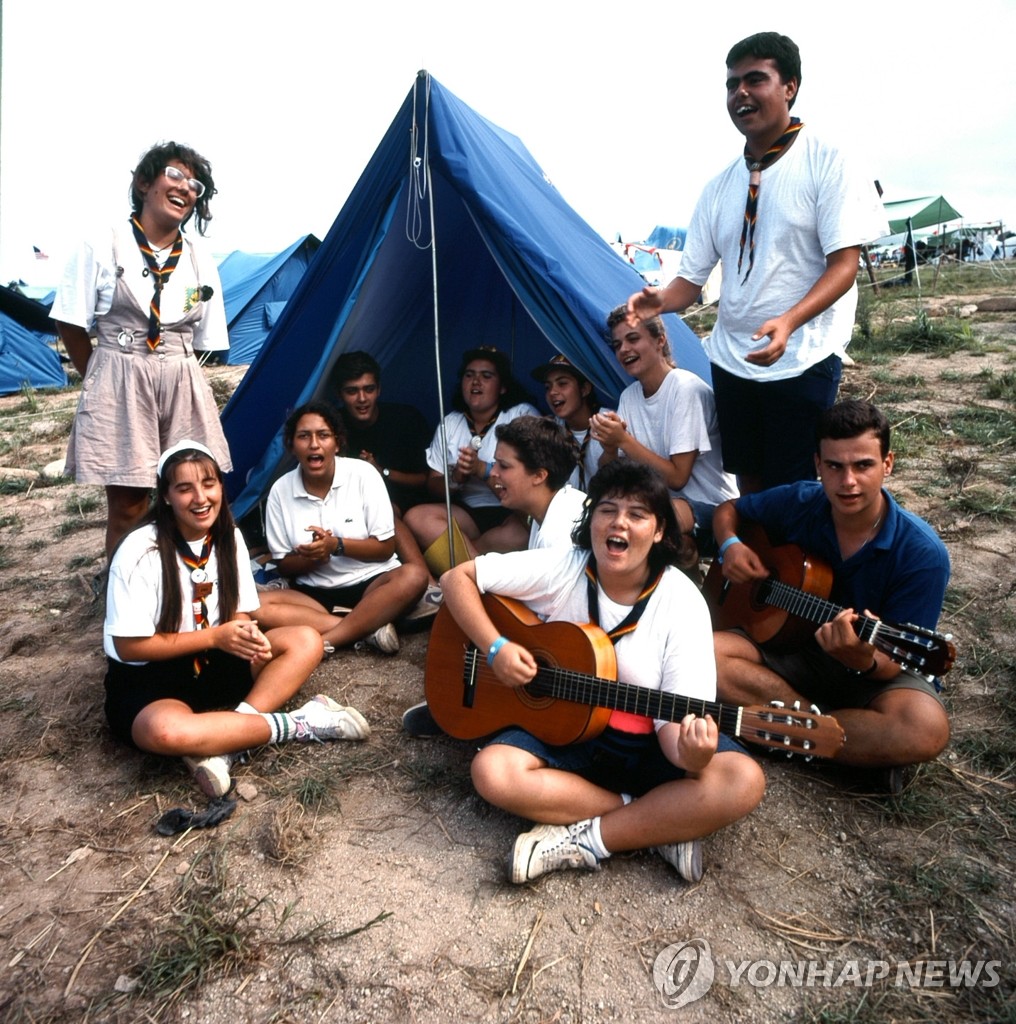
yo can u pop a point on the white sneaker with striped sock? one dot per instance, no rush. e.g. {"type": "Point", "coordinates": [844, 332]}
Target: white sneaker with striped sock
{"type": "Point", "coordinates": [321, 718]}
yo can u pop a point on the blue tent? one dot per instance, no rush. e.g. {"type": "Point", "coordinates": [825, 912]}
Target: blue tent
{"type": "Point", "coordinates": [25, 353]}
{"type": "Point", "coordinates": [255, 289]}
{"type": "Point", "coordinates": [514, 266]}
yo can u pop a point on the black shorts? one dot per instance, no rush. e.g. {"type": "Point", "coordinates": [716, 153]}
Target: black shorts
{"type": "Point", "coordinates": [767, 428]}
{"type": "Point", "coordinates": [486, 517]}
{"type": "Point", "coordinates": [335, 597]}
{"type": "Point", "coordinates": [224, 682]}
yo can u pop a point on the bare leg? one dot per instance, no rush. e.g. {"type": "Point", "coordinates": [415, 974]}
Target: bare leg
{"type": "Point", "coordinates": [125, 508]}
{"type": "Point", "coordinates": [171, 727]}
{"type": "Point", "coordinates": [728, 788]}
{"type": "Point", "coordinates": [899, 727]}
{"type": "Point", "coordinates": [428, 522]}
{"type": "Point", "coordinates": [389, 595]}
{"type": "Point", "coordinates": [511, 535]}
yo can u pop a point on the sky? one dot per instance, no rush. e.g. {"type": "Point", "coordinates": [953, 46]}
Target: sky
{"type": "Point", "coordinates": [621, 104]}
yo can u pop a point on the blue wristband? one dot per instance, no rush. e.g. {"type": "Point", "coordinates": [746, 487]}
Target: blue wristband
{"type": "Point", "coordinates": [726, 544]}
{"type": "Point", "coordinates": [494, 648]}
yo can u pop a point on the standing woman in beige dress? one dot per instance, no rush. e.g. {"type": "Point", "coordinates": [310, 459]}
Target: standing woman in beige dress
{"type": "Point", "coordinates": [151, 296]}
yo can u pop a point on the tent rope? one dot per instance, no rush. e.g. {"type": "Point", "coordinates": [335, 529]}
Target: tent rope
{"type": "Point", "coordinates": [419, 171]}
{"type": "Point", "coordinates": [420, 179]}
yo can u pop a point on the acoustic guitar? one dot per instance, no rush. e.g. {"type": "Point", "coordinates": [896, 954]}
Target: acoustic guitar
{"type": "Point", "coordinates": [782, 611]}
{"type": "Point", "coordinates": [575, 689]}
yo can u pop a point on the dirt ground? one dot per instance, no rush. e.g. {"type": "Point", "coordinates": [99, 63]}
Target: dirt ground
{"type": "Point", "coordinates": [367, 882]}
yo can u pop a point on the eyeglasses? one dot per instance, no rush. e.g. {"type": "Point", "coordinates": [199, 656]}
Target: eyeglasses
{"type": "Point", "coordinates": [177, 176]}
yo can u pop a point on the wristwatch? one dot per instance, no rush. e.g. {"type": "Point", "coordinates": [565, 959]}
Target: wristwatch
{"type": "Point", "coordinates": [386, 472]}
{"type": "Point", "coordinates": [340, 548]}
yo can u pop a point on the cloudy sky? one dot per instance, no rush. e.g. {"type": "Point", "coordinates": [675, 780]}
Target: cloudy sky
{"type": "Point", "coordinates": [621, 104]}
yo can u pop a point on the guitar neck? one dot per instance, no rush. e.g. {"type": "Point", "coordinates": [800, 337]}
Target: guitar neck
{"type": "Point", "coordinates": [565, 684]}
{"type": "Point", "coordinates": [814, 609]}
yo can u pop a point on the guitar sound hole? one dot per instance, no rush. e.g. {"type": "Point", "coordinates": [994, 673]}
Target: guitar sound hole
{"type": "Point", "coordinates": [530, 695]}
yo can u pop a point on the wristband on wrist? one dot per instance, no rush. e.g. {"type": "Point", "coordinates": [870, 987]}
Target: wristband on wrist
{"type": "Point", "coordinates": [488, 466]}
{"type": "Point", "coordinates": [860, 673]}
{"type": "Point", "coordinates": [730, 541]}
{"type": "Point", "coordinates": [494, 648]}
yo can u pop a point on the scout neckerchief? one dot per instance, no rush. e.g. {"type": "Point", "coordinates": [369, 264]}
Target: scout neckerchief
{"type": "Point", "coordinates": [582, 459]}
{"type": "Point", "coordinates": [756, 167]}
{"type": "Point", "coordinates": [478, 435]}
{"type": "Point", "coordinates": [631, 620]}
{"type": "Point", "coordinates": [160, 276]}
{"type": "Point", "coordinates": [201, 587]}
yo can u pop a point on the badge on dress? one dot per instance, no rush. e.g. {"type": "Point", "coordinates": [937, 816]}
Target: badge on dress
{"type": "Point", "coordinates": [125, 339]}
{"type": "Point", "coordinates": [198, 576]}
{"type": "Point", "coordinates": [475, 442]}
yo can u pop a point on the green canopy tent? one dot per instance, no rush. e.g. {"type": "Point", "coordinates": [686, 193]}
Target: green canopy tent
{"type": "Point", "coordinates": [913, 214]}
{"type": "Point", "coordinates": [926, 212]}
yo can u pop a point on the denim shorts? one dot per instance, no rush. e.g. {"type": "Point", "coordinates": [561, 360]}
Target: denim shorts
{"type": "Point", "coordinates": [621, 762]}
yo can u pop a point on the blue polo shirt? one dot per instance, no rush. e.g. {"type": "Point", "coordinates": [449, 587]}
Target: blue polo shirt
{"type": "Point", "coordinates": [900, 575]}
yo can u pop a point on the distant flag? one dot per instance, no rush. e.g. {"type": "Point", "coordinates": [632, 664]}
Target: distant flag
{"type": "Point", "coordinates": [39, 254]}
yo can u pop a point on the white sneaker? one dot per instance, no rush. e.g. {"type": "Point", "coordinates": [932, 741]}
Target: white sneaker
{"type": "Point", "coordinates": [211, 773]}
{"type": "Point", "coordinates": [684, 858]}
{"type": "Point", "coordinates": [324, 719]}
{"type": "Point", "coordinates": [551, 848]}
{"type": "Point", "coordinates": [383, 639]}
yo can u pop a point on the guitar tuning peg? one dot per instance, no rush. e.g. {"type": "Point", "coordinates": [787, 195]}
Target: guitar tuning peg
{"type": "Point", "coordinates": [796, 705]}
{"type": "Point", "coordinates": [814, 709]}
{"type": "Point", "coordinates": [777, 704]}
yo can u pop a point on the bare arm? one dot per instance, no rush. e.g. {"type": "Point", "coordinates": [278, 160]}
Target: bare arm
{"type": "Point", "coordinates": [241, 637]}
{"type": "Point", "coordinates": [610, 430]}
{"type": "Point", "coordinates": [309, 556]}
{"type": "Point", "coordinates": [677, 295]}
{"type": "Point", "coordinates": [79, 348]}
{"type": "Point", "coordinates": [513, 664]}
{"type": "Point", "coordinates": [839, 275]}
{"type": "Point", "coordinates": [740, 563]}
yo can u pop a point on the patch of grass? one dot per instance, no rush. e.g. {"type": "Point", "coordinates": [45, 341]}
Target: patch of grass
{"type": "Point", "coordinates": [222, 391]}
{"type": "Point", "coordinates": [69, 526]}
{"type": "Point", "coordinates": [11, 519]}
{"type": "Point", "coordinates": [82, 504]}
{"type": "Point", "coordinates": [81, 562]}
{"type": "Point", "coordinates": [317, 792]}
{"type": "Point", "coordinates": [211, 931]}
{"type": "Point", "coordinates": [983, 501]}
{"type": "Point", "coordinates": [30, 401]}
{"type": "Point", "coordinates": [896, 388]}
{"type": "Point", "coordinates": [999, 386]}
{"type": "Point", "coordinates": [913, 436]}
{"type": "Point", "coordinates": [984, 426]}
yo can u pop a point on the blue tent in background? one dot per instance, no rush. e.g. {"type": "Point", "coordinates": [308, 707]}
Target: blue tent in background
{"type": "Point", "coordinates": [664, 237]}
{"type": "Point", "coordinates": [255, 289]}
{"type": "Point", "coordinates": [26, 356]}
{"type": "Point", "coordinates": [514, 267]}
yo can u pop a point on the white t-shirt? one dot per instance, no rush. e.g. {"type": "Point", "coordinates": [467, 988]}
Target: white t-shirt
{"type": "Point", "coordinates": [86, 290]}
{"type": "Point", "coordinates": [563, 512]}
{"type": "Point", "coordinates": [134, 596]}
{"type": "Point", "coordinates": [681, 417]}
{"type": "Point", "coordinates": [670, 650]}
{"type": "Point", "coordinates": [811, 202]}
{"type": "Point", "coordinates": [356, 507]}
{"type": "Point", "coordinates": [475, 491]}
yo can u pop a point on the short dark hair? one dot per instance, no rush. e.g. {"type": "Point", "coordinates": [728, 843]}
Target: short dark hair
{"type": "Point", "coordinates": [353, 365]}
{"type": "Point", "coordinates": [626, 478]}
{"type": "Point", "coordinates": [327, 412]}
{"type": "Point", "coordinates": [653, 325]}
{"type": "Point", "coordinates": [782, 50]}
{"type": "Point", "coordinates": [515, 393]}
{"type": "Point", "coordinates": [852, 418]}
{"type": "Point", "coordinates": [152, 164]}
{"type": "Point", "coordinates": [542, 443]}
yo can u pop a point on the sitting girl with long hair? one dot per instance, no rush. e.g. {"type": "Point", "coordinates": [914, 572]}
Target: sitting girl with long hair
{"type": "Point", "coordinates": [182, 642]}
